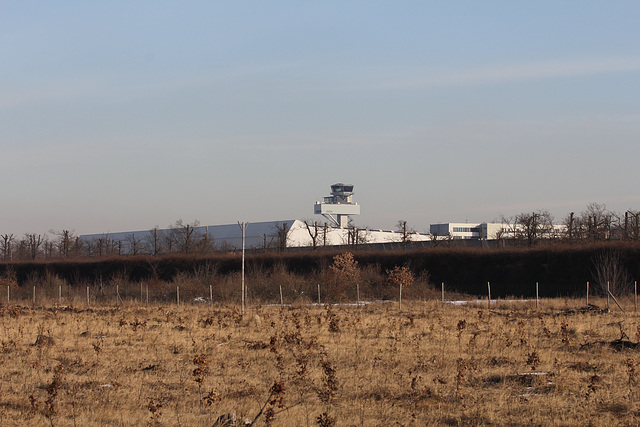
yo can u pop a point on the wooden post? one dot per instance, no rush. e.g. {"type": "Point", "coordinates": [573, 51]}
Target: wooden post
{"type": "Point", "coordinates": [117, 295]}
{"type": "Point", "coordinates": [147, 294]}
{"type": "Point", "coordinates": [281, 299]}
{"type": "Point", "coordinates": [178, 295]}
{"type": "Point", "coordinates": [318, 293]}
{"type": "Point", "coordinates": [34, 295]}
{"type": "Point", "coordinates": [635, 296]}
{"type": "Point", "coordinates": [243, 227]}
{"type": "Point", "coordinates": [489, 295]}
{"type": "Point", "coordinates": [616, 301]}
{"type": "Point", "coordinates": [8, 295]}
{"type": "Point", "coordinates": [357, 295]}
{"type": "Point", "coordinates": [88, 300]}
{"type": "Point", "coordinates": [587, 293]}
{"type": "Point", "coordinates": [608, 293]}
{"type": "Point", "coordinates": [442, 293]}
{"type": "Point", "coordinates": [400, 298]}
{"type": "Point", "coordinates": [210, 294]}
{"type": "Point", "coordinates": [60, 295]}
{"type": "Point", "coordinates": [141, 293]}
{"type": "Point", "coordinates": [537, 306]}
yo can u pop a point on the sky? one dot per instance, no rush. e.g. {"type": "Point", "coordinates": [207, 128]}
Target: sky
{"type": "Point", "coordinates": [126, 115]}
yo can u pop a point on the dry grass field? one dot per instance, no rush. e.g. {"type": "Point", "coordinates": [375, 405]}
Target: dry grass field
{"type": "Point", "coordinates": [309, 365]}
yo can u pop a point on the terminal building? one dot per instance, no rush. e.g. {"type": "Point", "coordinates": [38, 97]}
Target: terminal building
{"type": "Point", "coordinates": [334, 230]}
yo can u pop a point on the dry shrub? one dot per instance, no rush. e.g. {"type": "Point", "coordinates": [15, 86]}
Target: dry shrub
{"type": "Point", "coordinates": [344, 273]}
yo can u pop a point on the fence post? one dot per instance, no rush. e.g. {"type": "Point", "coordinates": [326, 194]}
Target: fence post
{"type": "Point", "coordinates": [8, 295]}
{"type": "Point", "coordinates": [88, 300]}
{"type": "Point", "coordinates": [147, 294]}
{"type": "Point", "coordinates": [400, 298]}
{"type": "Point", "coordinates": [178, 295]}
{"type": "Point", "coordinates": [608, 293]}
{"type": "Point", "coordinates": [489, 295]}
{"type": "Point", "coordinates": [537, 306]}
{"type": "Point", "coordinates": [635, 296]}
{"type": "Point", "coordinates": [587, 293]}
{"type": "Point", "coordinates": [281, 299]}
{"type": "Point", "coordinates": [60, 295]}
{"type": "Point", "coordinates": [34, 295]}
{"type": "Point", "coordinates": [442, 293]}
{"type": "Point", "coordinates": [318, 293]}
{"type": "Point", "coordinates": [210, 294]}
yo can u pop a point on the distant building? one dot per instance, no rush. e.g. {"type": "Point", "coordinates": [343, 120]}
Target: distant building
{"type": "Point", "coordinates": [337, 230]}
{"type": "Point", "coordinates": [266, 235]}
{"type": "Point", "coordinates": [486, 231]}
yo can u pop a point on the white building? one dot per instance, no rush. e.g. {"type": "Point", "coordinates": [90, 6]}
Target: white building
{"type": "Point", "coordinates": [258, 235]}
{"type": "Point", "coordinates": [485, 230]}
{"type": "Point", "coordinates": [292, 233]}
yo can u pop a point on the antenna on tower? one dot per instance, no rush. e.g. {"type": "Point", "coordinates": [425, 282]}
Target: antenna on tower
{"type": "Point", "coordinates": [337, 207]}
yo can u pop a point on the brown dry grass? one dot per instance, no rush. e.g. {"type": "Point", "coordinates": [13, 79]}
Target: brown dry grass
{"type": "Point", "coordinates": [312, 365]}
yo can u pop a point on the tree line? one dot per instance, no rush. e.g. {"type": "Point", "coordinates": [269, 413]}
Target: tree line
{"type": "Point", "coordinates": [180, 238]}
{"type": "Point", "coordinates": [594, 224]}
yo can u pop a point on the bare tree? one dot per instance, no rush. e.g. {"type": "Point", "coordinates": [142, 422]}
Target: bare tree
{"type": "Point", "coordinates": [632, 225]}
{"type": "Point", "coordinates": [325, 234]}
{"type": "Point", "coordinates": [405, 232]}
{"type": "Point", "coordinates": [103, 245]}
{"type": "Point", "coordinates": [500, 236]}
{"type": "Point", "coordinates": [357, 236]}
{"type": "Point", "coordinates": [206, 242]}
{"type": "Point", "coordinates": [33, 242]}
{"type": "Point", "coordinates": [7, 240]}
{"type": "Point", "coordinates": [435, 241]}
{"type": "Point", "coordinates": [596, 222]}
{"type": "Point", "coordinates": [570, 225]}
{"type": "Point", "coordinates": [135, 243]}
{"type": "Point", "coordinates": [282, 235]}
{"type": "Point", "coordinates": [609, 272]}
{"type": "Point", "coordinates": [64, 242]}
{"type": "Point", "coordinates": [155, 241]}
{"type": "Point", "coordinates": [313, 228]}
{"type": "Point", "coordinates": [534, 226]}
{"type": "Point", "coordinates": [183, 235]}
{"type": "Point", "coordinates": [265, 244]}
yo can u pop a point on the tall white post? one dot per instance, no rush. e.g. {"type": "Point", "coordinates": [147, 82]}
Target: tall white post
{"type": "Point", "coordinates": [243, 227]}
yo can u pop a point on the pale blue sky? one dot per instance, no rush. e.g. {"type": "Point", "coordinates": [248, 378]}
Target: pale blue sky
{"type": "Point", "coordinates": [123, 115]}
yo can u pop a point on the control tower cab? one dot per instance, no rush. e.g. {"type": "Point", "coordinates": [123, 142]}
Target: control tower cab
{"type": "Point", "coordinates": [337, 207]}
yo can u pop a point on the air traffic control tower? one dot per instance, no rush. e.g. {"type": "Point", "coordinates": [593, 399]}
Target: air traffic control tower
{"type": "Point", "coordinates": [337, 207]}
